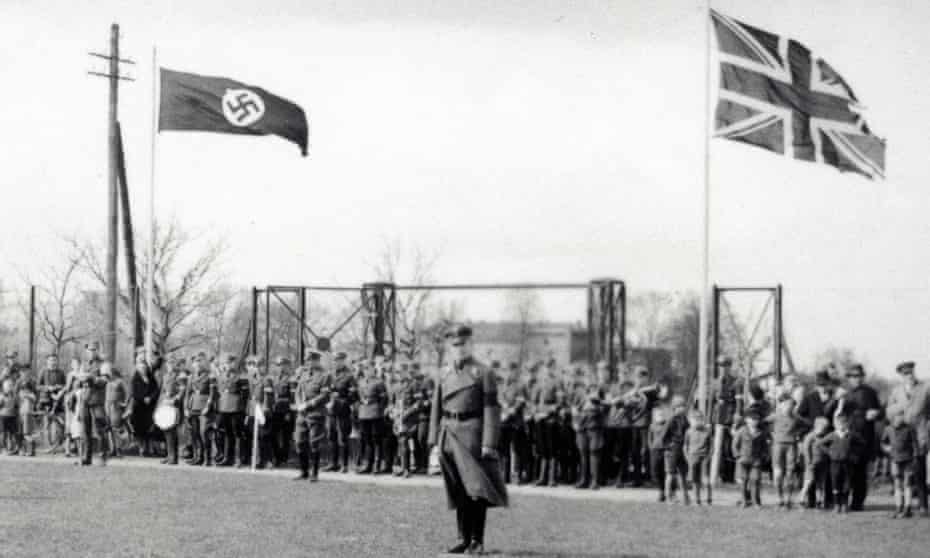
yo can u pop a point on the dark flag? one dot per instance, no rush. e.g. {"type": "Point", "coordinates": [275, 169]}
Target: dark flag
{"type": "Point", "coordinates": [774, 94]}
{"type": "Point", "coordinates": [217, 104]}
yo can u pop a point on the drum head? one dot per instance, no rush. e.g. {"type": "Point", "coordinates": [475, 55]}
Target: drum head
{"type": "Point", "coordinates": [166, 417]}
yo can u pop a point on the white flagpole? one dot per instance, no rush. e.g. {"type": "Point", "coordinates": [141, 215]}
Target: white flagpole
{"type": "Point", "coordinates": [703, 376]}
{"type": "Point", "coordinates": [149, 302]}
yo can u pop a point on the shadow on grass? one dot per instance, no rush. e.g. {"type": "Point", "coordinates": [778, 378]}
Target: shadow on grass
{"type": "Point", "coordinates": [538, 554]}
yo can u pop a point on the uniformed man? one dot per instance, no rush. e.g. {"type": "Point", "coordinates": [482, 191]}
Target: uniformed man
{"type": "Point", "coordinates": [343, 396]}
{"type": "Point", "coordinates": [261, 394]}
{"type": "Point", "coordinates": [116, 404]}
{"type": "Point", "coordinates": [514, 447]}
{"type": "Point", "coordinates": [171, 395]}
{"type": "Point", "coordinates": [465, 426]}
{"type": "Point", "coordinates": [200, 404]}
{"type": "Point", "coordinates": [313, 392]}
{"type": "Point", "coordinates": [282, 416]}
{"type": "Point", "coordinates": [52, 381]}
{"type": "Point", "coordinates": [231, 395]}
{"type": "Point", "coordinates": [545, 400]}
{"type": "Point", "coordinates": [640, 400]}
{"type": "Point", "coordinates": [373, 400]}
{"type": "Point", "coordinates": [91, 411]}
{"type": "Point", "coordinates": [389, 438]}
{"type": "Point", "coordinates": [406, 410]}
{"type": "Point", "coordinates": [589, 412]}
{"type": "Point", "coordinates": [425, 394]}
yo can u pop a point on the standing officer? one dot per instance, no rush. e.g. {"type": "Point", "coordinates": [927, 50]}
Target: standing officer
{"type": "Point", "coordinates": [514, 445]}
{"type": "Point", "coordinates": [313, 392]}
{"type": "Point", "coordinates": [545, 400]}
{"type": "Point", "coordinates": [344, 394]}
{"type": "Point", "coordinates": [372, 402]}
{"type": "Point", "coordinates": [465, 426]}
{"type": "Point", "coordinates": [261, 394]}
{"type": "Point", "coordinates": [282, 416]}
{"type": "Point", "coordinates": [200, 403]}
{"type": "Point", "coordinates": [589, 414]}
{"type": "Point", "coordinates": [92, 413]}
{"type": "Point", "coordinates": [640, 402]}
{"type": "Point", "coordinates": [863, 408]}
{"type": "Point", "coordinates": [425, 395]}
{"type": "Point", "coordinates": [230, 405]}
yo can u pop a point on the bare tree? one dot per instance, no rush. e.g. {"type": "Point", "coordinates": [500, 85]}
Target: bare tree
{"type": "Point", "coordinates": [413, 307]}
{"type": "Point", "coordinates": [524, 308]}
{"type": "Point", "coordinates": [57, 311]}
{"type": "Point", "coordinates": [186, 276]}
{"type": "Point", "coordinates": [648, 312]}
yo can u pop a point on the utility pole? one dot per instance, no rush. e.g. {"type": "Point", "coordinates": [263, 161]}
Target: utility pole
{"type": "Point", "coordinates": [113, 75]}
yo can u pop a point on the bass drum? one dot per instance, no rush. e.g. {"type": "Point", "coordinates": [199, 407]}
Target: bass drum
{"type": "Point", "coordinates": [166, 417]}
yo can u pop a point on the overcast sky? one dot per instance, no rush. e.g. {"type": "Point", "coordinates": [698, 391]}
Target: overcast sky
{"type": "Point", "coordinates": [541, 141]}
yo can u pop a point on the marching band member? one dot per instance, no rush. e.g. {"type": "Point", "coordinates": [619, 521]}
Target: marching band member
{"type": "Point", "coordinates": [545, 407]}
{"type": "Point", "coordinates": [372, 401]}
{"type": "Point", "coordinates": [230, 406]}
{"type": "Point", "coordinates": [282, 417]}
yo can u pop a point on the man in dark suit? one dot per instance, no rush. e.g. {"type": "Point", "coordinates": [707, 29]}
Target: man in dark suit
{"type": "Point", "coordinates": [373, 399]}
{"type": "Point", "coordinates": [465, 426]}
{"type": "Point", "coordinates": [819, 403]}
{"type": "Point", "coordinates": [863, 408]}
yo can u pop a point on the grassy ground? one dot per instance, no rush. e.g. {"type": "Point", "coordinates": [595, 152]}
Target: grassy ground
{"type": "Point", "coordinates": [56, 509]}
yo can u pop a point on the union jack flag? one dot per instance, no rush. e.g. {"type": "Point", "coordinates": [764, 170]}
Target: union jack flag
{"type": "Point", "coordinates": [775, 95]}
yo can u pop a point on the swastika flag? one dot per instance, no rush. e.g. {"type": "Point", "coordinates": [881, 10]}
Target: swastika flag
{"type": "Point", "coordinates": [774, 94]}
{"type": "Point", "coordinates": [217, 104]}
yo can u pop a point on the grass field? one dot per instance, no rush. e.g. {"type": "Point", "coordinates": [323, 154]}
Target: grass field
{"type": "Point", "coordinates": [55, 509]}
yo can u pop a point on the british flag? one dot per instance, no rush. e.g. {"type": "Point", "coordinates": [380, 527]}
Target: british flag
{"type": "Point", "coordinates": [775, 95]}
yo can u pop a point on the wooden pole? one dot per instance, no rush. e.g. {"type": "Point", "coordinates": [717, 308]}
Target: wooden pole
{"type": "Point", "coordinates": [32, 327]}
{"type": "Point", "coordinates": [128, 238]}
{"type": "Point", "coordinates": [150, 280]}
{"type": "Point", "coordinates": [112, 201]}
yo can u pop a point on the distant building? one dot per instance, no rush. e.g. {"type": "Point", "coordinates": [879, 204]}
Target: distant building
{"type": "Point", "coordinates": [515, 341]}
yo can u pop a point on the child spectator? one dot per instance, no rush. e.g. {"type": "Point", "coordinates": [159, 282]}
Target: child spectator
{"type": "Point", "coordinates": [656, 439]}
{"type": "Point", "coordinates": [749, 448]}
{"type": "Point", "coordinates": [8, 416]}
{"type": "Point", "coordinates": [899, 442]}
{"type": "Point", "coordinates": [844, 448]}
{"type": "Point", "coordinates": [786, 428]}
{"type": "Point", "coordinates": [696, 448]}
{"type": "Point", "coordinates": [816, 465]}
{"type": "Point", "coordinates": [27, 399]}
{"type": "Point", "coordinates": [676, 469]}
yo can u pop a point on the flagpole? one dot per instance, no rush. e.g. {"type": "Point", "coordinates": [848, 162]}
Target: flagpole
{"type": "Point", "coordinates": [149, 304]}
{"type": "Point", "coordinates": [703, 375]}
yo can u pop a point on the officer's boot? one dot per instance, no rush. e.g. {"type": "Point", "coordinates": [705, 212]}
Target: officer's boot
{"type": "Point", "coordinates": [461, 518]}
{"type": "Point", "coordinates": [583, 473]}
{"type": "Point", "coordinates": [543, 472]}
{"type": "Point", "coordinates": [595, 470]}
{"type": "Point", "coordinates": [315, 472]}
{"type": "Point", "coordinates": [345, 458]}
{"type": "Point", "coordinates": [369, 460]}
{"type": "Point", "coordinates": [479, 514]}
{"type": "Point", "coordinates": [303, 456]}
{"type": "Point", "coordinates": [206, 454]}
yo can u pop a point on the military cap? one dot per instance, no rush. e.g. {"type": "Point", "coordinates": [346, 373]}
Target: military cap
{"type": "Point", "coordinates": [340, 356]}
{"type": "Point", "coordinates": [461, 331]}
{"type": "Point", "coordinates": [282, 360]}
{"type": "Point", "coordinates": [724, 360]}
{"type": "Point", "coordinates": [822, 378]}
{"type": "Point", "coordinates": [495, 364]}
{"type": "Point", "coordinates": [92, 346]}
{"type": "Point", "coordinates": [855, 371]}
{"type": "Point", "coordinates": [513, 365]}
{"type": "Point", "coordinates": [906, 367]}
{"type": "Point", "coordinates": [229, 358]}
{"type": "Point", "coordinates": [314, 356]}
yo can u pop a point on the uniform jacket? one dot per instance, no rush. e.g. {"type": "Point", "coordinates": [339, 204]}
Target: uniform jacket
{"type": "Point", "coordinates": [345, 393]}
{"type": "Point", "coordinates": [855, 405]}
{"type": "Point", "coordinates": [261, 392]}
{"type": "Point", "coordinates": [51, 385]}
{"type": "Point", "coordinates": [546, 399]}
{"type": "Point", "coordinates": [313, 392]}
{"type": "Point", "coordinates": [373, 398]}
{"type": "Point", "coordinates": [465, 417]}
{"type": "Point", "coordinates": [513, 399]}
{"type": "Point", "coordinates": [201, 393]}
{"type": "Point", "coordinates": [589, 411]}
{"type": "Point", "coordinates": [729, 399]}
{"type": "Point", "coordinates": [232, 396]}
